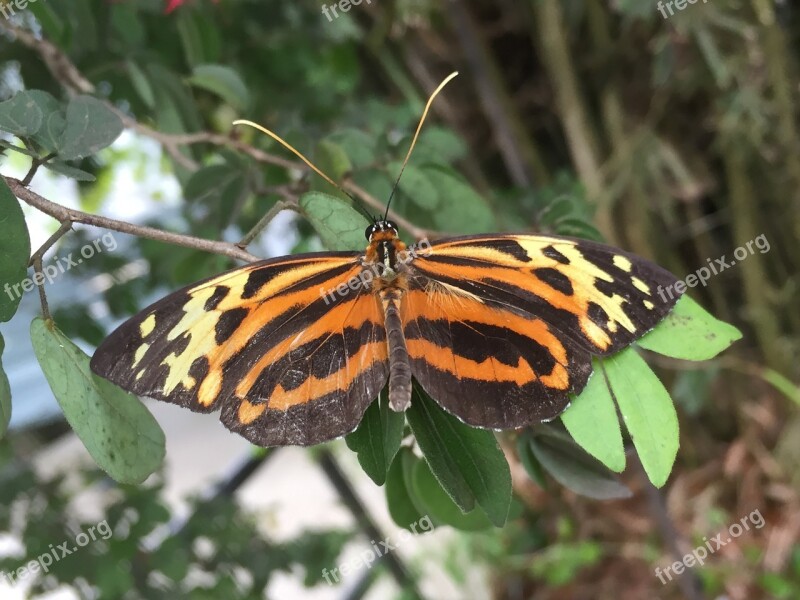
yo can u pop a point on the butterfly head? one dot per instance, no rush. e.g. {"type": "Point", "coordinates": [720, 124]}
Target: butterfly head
{"type": "Point", "coordinates": [381, 229]}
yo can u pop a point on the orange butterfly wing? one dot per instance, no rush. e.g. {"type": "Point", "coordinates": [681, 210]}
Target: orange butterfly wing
{"type": "Point", "coordinates": [501, 329]}
{"type": "Point", "coordinates": [285, 364]}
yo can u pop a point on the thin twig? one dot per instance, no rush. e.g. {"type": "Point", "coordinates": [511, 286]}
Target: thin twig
{"type": "Point", "coordinates": [35, 164]}
{"type": "Point", "coordinates": [218, 139]}
{"type": "Point", "coordinates": [39, 281]}
{"type": "Point", "coordinates": [62, 231]}
{"type": "Point", "coordinates": [278, 207]}
{"type": "Point", "coordinates": [64, 214]}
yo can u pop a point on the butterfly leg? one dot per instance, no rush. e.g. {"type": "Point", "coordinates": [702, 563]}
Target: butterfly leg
{"type": "Point", "coordinates": [399, 364]}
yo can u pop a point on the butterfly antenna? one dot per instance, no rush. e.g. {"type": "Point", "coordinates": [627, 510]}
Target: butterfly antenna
{"type": "Point", "coordinates": [416, 135]}
{"type": "Point", "coordinates": [311, 165]}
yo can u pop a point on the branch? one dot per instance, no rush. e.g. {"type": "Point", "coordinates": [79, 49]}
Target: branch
{"type": "Point", "coordinates": [35, 164]}
{"type": "Point", "coordinates": [36, 262]}
{"type": "Point", "coordinates": [37, 268]}
{"type": "Point", "coordinates": [57, 62]}
{"type": "Point", "coordinates": [289, 202]}
{"type": "Point", "coordinates": [68, 75]}
{"type": "Point", "coordinates": [51, 241]}
{"type": "Point", "coordinates": [65, 215]}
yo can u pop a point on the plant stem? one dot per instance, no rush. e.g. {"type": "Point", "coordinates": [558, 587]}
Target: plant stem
{"type": "Point", "coordinates": [273, 212]}
{"type": "Point", "coordinates": [62, 231]}
{"type": "Point", "coordinates": [64, 214]}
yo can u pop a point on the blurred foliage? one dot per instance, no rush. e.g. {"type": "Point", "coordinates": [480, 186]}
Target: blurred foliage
{"type": "Point", "coordinates": [673, 137]}
{"type": "Point", "coordinates": [135, 546]}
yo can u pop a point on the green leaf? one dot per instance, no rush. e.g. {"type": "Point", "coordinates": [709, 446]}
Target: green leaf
{"type": "Point", "coordinates": [647, 411]}
{"type": "Point", "coordinates": [51, 134]}
{"type": "Point", "coordinates": [533, 467]}
{"type": "Point", "coordinates": [559, 564]}
{"type": "Point", "coordinates": [467, 462]}
{"type": "Point", "coordinates": [207, 185]}
{"type": "Point", "coordinates": [433, 501]}
{"type": "Point", "coordinates": [416, 185]}
{"type": "Point", "coordinates": [200, 37]}
{"type": "Point", "coordinates": [222, 81]}
{"type": "Point", "coordinates": [191, 38]}
{"type": "Point", "coordinates": [141, 84]}
{"type": "Point", "coordinates": [578, 228]}
{"type": "Point", "coordinates": [402, 508]}
{"type": "Point", "coordinates": [338, 224]}
{"type": "Point", "coordinates": [5, 394]}
{"type": "Point", "coordinates": [20, 149]}
{"type": "Point", "coordinates": [781, 383]}
{"type": "Point", "coordinates": [460, 209]}
{"type": "Point", "coordinates": [91, 126]}
{"type": "Point", "coordinates": [690, 333]}
{"type": "Point", "coordinates": [15, 251]}
{"type": "Point", "coordinates": [332, 160]}
{"type": "Point", "coordinates": [377, 439]}
{"type": "Point", "coordinates": [359, 146]}
{"type": "Point", "coordinates": [69, 171]}
{"type": "Point", "coordinates": [52, 25]}
{"type": "Point", "coordinates": [440, 144]}
{"type": "Point", "coordinates": [116, 428]}
{"type": "Point", "coordinates": [572, 467]}
{"type": "Point", "coordinates": [592, 421]}
{"type": "Point", "coordinates": [24, 114]}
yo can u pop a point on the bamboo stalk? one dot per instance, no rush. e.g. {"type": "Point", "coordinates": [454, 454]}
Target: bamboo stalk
{"type": "Point", "coordinates": [754, 278]}
{"type": "Point", "coordinates": [581, 135]}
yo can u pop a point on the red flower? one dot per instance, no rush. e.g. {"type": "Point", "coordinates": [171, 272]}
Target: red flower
{"type": "Point", "coordinates": [173, 4]}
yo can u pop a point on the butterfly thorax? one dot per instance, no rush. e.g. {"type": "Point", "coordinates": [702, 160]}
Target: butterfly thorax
{"type": "Point", "coordinates": [385, 248]}
{"type": "Point", "coordinates": [386, 256]}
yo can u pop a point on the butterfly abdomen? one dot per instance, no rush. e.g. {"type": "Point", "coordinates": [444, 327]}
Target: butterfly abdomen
{"type": "Point", "coordinates": [399, 363]}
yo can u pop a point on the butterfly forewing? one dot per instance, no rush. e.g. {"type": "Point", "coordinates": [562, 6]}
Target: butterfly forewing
{"type": "Point", "coordinates": [286, 360]}
{"type": "Point", "coordinates": [502, 328]}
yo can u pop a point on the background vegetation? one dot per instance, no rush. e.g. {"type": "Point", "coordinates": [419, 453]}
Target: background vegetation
{"type": "Point", "coordinates": [675, 138]}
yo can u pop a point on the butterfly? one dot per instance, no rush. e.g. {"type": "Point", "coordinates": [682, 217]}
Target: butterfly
{"type": "Point", "coordinates": [499, 329]}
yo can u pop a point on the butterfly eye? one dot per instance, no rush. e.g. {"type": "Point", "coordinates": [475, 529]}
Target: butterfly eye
{"type": "Point", "coordinates": [392, 225]}
{"type": "Point", "coordinates": [369, 231]}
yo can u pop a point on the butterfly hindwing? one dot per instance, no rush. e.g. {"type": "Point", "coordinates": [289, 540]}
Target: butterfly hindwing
{"type": "Point", "coordinates": [489, 366]}
{"type": "Point", "coordinates": [502, 328]}
{"type": "Point", "coordinates": [284, 362]}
